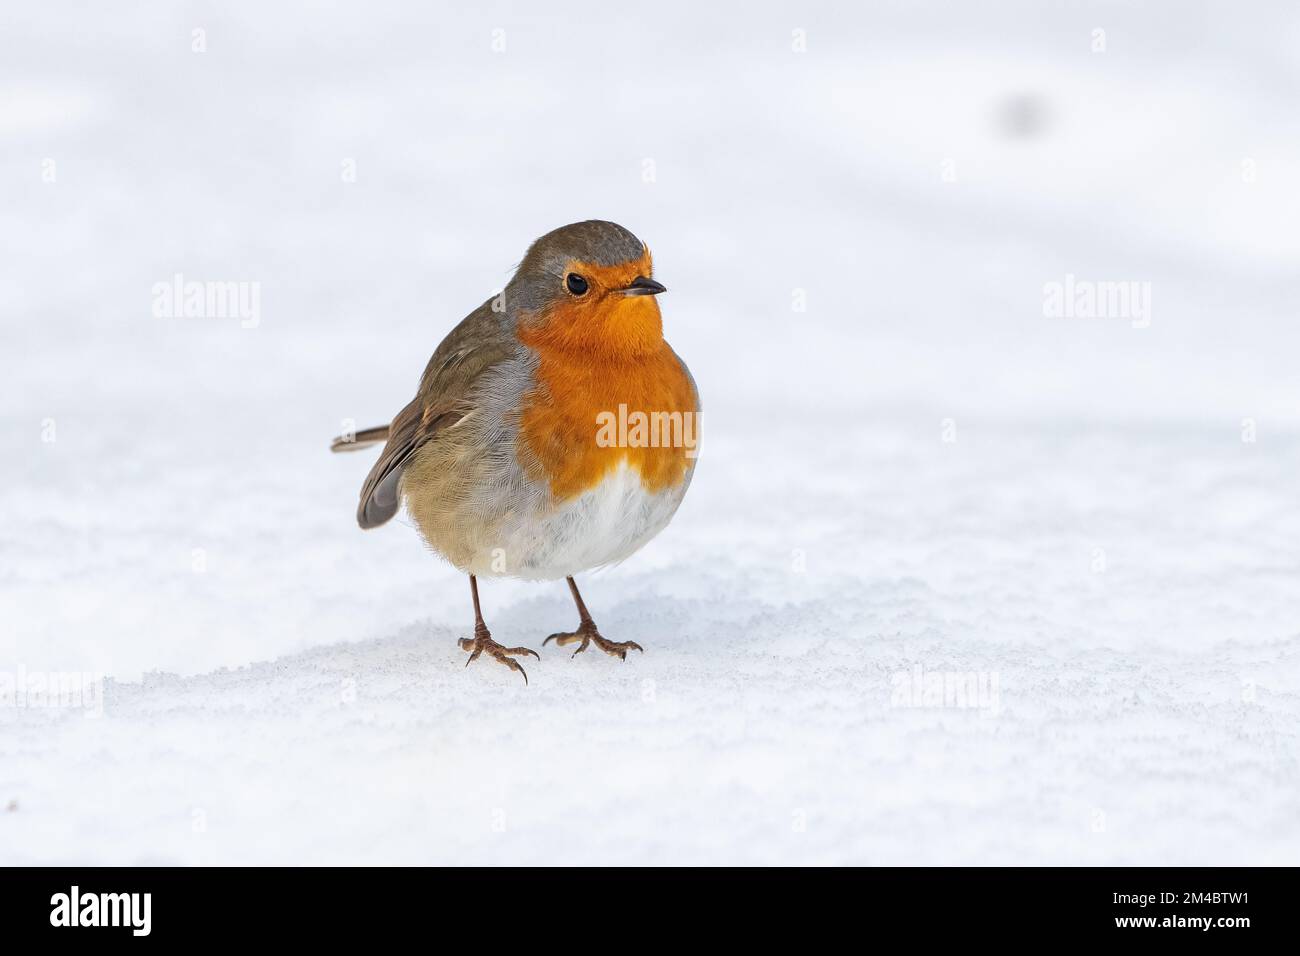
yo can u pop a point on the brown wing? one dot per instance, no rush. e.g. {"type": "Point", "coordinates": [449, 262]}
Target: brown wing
{"type": "Point", "coordinates": [482, 340]}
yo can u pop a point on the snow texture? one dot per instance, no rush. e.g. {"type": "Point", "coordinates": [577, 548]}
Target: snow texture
{"type": "Point", "coordinates": [1086, 528]}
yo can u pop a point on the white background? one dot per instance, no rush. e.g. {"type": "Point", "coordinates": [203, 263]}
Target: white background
{"type": "Point", "coordinates": [1098, 539]}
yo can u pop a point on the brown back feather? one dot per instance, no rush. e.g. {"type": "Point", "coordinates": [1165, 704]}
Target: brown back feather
{"type": "Point", "coordinates": [482, 340]}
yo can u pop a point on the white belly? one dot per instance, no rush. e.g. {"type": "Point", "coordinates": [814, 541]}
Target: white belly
{"type": "Point", "coordinates": [599, 527]}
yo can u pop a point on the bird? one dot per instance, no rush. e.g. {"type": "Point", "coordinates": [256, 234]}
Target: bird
{"type": "Point", "coordinates": [554, 431]}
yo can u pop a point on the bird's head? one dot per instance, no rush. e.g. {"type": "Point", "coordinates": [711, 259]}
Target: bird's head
{"type": "Point", "coordinates": [589, 287]}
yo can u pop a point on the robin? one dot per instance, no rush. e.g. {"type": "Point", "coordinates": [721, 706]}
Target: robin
{"type": "Point", "coordinates": [554, 430]}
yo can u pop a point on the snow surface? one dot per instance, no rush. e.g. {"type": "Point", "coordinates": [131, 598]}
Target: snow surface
{"type": "Point", "coordinates": [920, 473]}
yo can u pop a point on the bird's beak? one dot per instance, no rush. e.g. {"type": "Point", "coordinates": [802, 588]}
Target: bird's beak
{"type": "Point", "coordinates": [643, 286]}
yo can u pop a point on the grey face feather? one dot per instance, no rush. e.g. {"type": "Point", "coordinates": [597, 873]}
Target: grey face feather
{"type": "Point", "coordinates": [539, 276]}
{"type": "Point", "coordinates": [598, 241]}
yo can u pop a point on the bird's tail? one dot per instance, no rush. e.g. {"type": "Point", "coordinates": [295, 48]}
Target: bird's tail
{"type": "Point", "coordinates": [362, 439]}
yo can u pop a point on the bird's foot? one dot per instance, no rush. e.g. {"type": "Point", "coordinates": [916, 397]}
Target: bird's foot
{"type": "Point", "coordinates": [588, 635]}
{"type": "Point", "coordinates": [482, 641]}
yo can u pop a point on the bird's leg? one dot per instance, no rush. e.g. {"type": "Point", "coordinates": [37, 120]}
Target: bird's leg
{"type": "Point", "coordinates": [482, 640]}
{"type": "Point", "coordinates": [587, 633]}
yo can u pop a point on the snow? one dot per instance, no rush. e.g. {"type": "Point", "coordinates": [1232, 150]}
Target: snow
{"type": "Point", "coordinates": [920, 477]}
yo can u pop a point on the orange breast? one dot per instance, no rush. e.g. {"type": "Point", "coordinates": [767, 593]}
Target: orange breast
{"type": "Point", "coordinates": [588, 414]}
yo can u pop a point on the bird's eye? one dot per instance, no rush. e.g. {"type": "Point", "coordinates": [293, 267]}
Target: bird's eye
{"type": "Point", "coordinates": [575, 283]}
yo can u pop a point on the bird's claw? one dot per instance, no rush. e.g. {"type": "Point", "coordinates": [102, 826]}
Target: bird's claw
{"type": "Point", "coordinates": [482, 641]}
{"type": "Point", "coordinates": [588, 635]}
